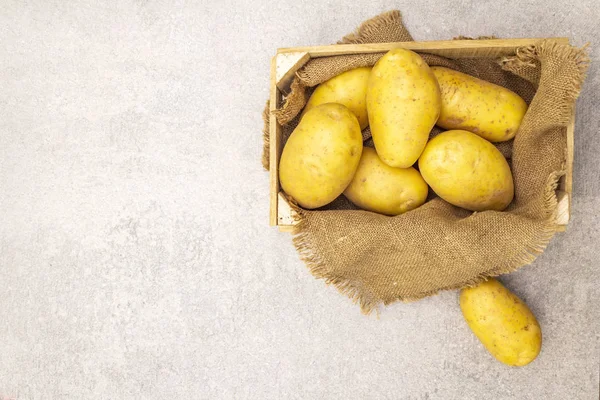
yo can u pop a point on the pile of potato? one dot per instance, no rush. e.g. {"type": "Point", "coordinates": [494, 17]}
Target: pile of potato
{"type": "Point", "coordinates": [401, 98]}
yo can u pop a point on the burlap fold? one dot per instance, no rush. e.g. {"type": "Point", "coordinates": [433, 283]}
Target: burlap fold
{"type": "Point", "coordinates": [379, 259]}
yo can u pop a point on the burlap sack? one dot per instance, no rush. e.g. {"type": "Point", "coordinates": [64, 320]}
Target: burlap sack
{"type": "Point", "coordinates": [377, 259]}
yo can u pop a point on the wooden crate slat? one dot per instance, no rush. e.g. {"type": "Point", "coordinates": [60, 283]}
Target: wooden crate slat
{"type": "Point", "coordinates": [446, 48]}
{"type": "Point", "coordinates": [274, 146]}
{"type": "Point", "coordinates": [570, 154]}
{"type": "Point", "coordinates": [563, 209]}
{"type": "Point", "coordinates": [287, 65]}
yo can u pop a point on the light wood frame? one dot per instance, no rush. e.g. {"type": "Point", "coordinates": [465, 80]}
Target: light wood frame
{"type": "Point", "coordinates": [288, 60]}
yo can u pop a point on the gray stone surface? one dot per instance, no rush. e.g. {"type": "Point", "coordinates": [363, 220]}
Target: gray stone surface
{"type": "Point", "coordinates": [136, 261]}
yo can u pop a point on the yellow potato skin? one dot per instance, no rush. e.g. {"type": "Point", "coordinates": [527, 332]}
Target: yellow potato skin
{"type": "Point", "coordinates": [467, 171]}
{"type": "Point", "coordinates": [349, 89]}
{"type": "Point", "coordinates": [488, 110]}
{"type": "Point", "coordinates": [387, 190]}
{"type": "Point", "coordinates": [403, 101]}
{"type": "Point", "coordinates": [502, 322]}
{"type": "Point", "coordinates": [321, 155]}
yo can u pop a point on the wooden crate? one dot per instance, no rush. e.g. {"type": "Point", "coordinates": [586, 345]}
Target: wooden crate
{"type": "Point", "coordinates": [288, 60]}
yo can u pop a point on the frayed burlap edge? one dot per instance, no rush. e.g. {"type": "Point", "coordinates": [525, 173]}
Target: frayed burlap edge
{"type": "Point", "coordinates": [372, 27]}
{"type": "Point", "coordinates": [266, 154]}
{"type": "Point", "coordinates": [292, 106]}
{"type": "Point", "coordinates": [581, 60]}
{"type": "Point", "coordinates": [294, 103]}
{"type": "Point", "coordinates": [367, 300]}
{"type": "Point", "coordinates": [302, 240]}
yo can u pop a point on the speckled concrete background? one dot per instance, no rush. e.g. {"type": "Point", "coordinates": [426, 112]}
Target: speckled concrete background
{"type": "Point", "coordinates": [136, 261]}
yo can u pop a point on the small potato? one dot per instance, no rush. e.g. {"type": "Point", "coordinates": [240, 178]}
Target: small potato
{"type": "Point", "coordinates": [488, 110]}
{"type": "Point", "coordinates": [467, 171]}
{"type": "Point", "coordinates": [321, 155]}
{"type": "Point", "coordinates": [502, 322]}
{"type": "Point", "coordinates": [403, 100]}
{"type": "Point", "coordinates": [387, 190]}
{"type": "Point", "coordinates": [349, 89]}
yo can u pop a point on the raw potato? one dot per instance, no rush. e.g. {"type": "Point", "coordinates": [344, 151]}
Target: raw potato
{"type": "Point", "coordinates": [403, 99]}
{"type": "Point", "coordinates": [321, 155]}
{"type": "Point", "coordinates": [467, 171]}
{"type": "Point", "coordinates": [491, 111]}
{"type": "Point", "coordinates": [387, 190]}
{"type": "Point", "coordinates": [502, 322]}
{"type": "Point", "coordinates": [348, 89]}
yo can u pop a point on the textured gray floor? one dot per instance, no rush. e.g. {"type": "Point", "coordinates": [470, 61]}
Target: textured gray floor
{"type": "Point", "coordinates": [136, 261]}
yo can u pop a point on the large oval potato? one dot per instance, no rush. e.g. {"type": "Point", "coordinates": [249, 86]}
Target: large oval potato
{"type": "Point", "coordinates": [349, 89]}
{"type": "Point", "coordinates": [467, 171]}
{"type": "Point", "coordinates": [502, 322]}
{"type": "Point", "coordinates": [403, 100]}
{"type": "Point", "coordinates": [488, 110]}
{"type": "Point", "coordinates": [321, 155]}
{"type": "Point", "coordinates": [387, 190]}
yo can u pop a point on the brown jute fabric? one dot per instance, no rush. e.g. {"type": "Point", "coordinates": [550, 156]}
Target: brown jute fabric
{"type": "Point", "coordinates": [378, 259]}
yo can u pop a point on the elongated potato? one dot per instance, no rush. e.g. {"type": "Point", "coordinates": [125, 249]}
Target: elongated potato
{"type": "Point", "coordinates": [488, 110]}
{"type": "Point", "coordinates": [321, 155]}
{"type": "Point", "coordinates": [403, 100]}
{"type": "Point", "coordinates": [467, 171]}
{"type": "Point", "coordinates": [349, 89]}
{"type": "Point", "coordinates": [387, 190]}
{"type": "Point", "coordinates": [502, 322]}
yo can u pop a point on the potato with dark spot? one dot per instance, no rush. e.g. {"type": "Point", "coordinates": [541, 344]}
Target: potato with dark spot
{"type": "Point", "coordinates": [321, 155]}
{"type": "Point", "coordinates": [467, 171]}
{"type": "Point", "coordinates": [488, 110]}
{"type": "Point", "coordinates": [349, 89]}
{"type": "Point", "coordinates": [403, 101]}
{"type": "Point", "coordinates": [387, 190]}
{"type": "Point", "coordinates": [502, 322]}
